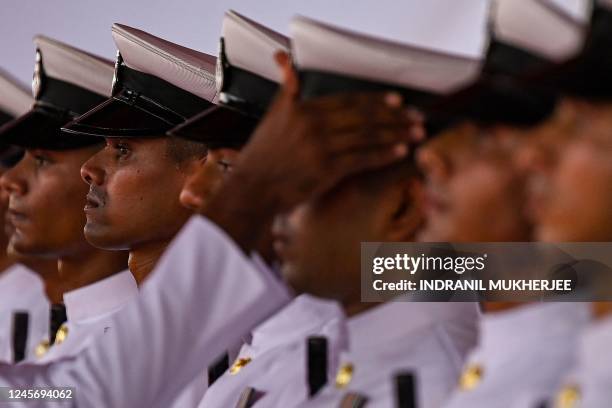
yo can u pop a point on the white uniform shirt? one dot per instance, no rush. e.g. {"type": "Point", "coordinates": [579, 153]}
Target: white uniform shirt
{"type": "Point", "coordinates": [428, 339]}
{"type": "Point", "coordinates": [277, 356]}
{"type": "Point", "coordinates": [589, 383]}
{"type": "Point", "coordinates": [22, 290]}
{"type": "Point", "coordinates": [89, 310]}
{"type": "Point", "coordinates": [593, 373]}
{"type": "Point", "coordinates": [521, 351]}
{"type": "Point", "coordinates": [204, 295]}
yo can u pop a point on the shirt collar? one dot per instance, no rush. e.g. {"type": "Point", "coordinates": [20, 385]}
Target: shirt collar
{"type": "Point", "coordinates": [395, 319]}
{"type": "Point", "coordinates": [19, 279]}
{"type": "Point", "coordinates": [305, 314]}
{"type": "Point", "coordinates": [594, 349]}
{"type": "Point", "coordinates": [100, 298]}
{"type": "Point", "coordinates": [534, 323]}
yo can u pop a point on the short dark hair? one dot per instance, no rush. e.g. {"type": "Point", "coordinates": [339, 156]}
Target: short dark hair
{"type": "Point", "coordinates": [179, 150]}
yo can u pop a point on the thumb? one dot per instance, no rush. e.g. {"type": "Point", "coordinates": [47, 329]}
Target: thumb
{"type": "Point", "coordinates": [290, 80]}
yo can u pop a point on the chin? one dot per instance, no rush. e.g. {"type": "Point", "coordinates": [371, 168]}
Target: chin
{"type": "Point", "coordinates": [19, 249]}
{"type": "Point", "coordinates": [102, 237]}
{"type": "Point", "coordinates": [293, 278]}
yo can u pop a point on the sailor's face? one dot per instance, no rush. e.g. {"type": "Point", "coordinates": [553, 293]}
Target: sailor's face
{"type": "Point", "coordinates": [319, 242]}
{"type": "Point", "coordinates": [4, 200]}
{"type": "Point", "coordinates": [207, 178]}
{"type": "Point", "coordinates": [538, 158]}
{"type": "Point", "coordinates": [472, 189]}
{"type": "Point", "coordinates": [133, 198]}
{"type": "Point", "coordinates": [45, 203]}
{"type": "Point", "coordinates": [581, 186]}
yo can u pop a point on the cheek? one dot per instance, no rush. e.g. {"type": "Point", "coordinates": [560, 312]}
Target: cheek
{"type": "Point", "coordinates": [486, 192]}
{"type": "Point", "coordinates": [61, 194]}
{"type": "Point", "coordinates": [204, 183]}
{"type": "Point", "coordinates": [583, 185]}
{"type": "Point", "coordinates": [128, 187]}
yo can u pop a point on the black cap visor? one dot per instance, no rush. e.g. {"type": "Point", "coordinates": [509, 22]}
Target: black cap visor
{"type": "Point", "coordinates": [218, 127]}
{"type": "Point", "coordinates": [493, 99]}
{"type": "Point", "coordinates": [40, 129]}
{"type": "Point", "coordinates": [120, 118]}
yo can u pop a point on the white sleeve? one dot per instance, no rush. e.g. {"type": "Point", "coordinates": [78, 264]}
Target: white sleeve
{"type": "Point", "coordinates": [204, 294]}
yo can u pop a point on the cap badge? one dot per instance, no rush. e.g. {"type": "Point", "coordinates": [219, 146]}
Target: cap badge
{"type": "Point", "coordinates": [37, 79]}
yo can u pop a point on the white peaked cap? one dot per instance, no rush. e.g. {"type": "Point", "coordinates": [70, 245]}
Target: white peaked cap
{"type": "Point", "coordinates": [80, 68]}
{"type": "Point", "coordinates": [251, 46]}
{"type": "Point", "coordinates": [182, 67]}
{"type": "Point", "coordinates": [322, 47]}
{"type": "Point", "coordinates": [15, 99]}
{"type": "Point", "coordinates": [552, 29]}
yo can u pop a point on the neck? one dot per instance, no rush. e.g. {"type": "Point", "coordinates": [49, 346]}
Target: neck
{"type": "Point", "coordinates": [601, 310]}
{"type": "Point", "coordinates": [354, 308]}
{"type": "Point", "coordinates": [5, 261]}
{"type": "Point", "coordinates": [47, 270]}
{"type": "Point", "coordinates": [85, 269]}
{"type": "Point", "coordinates": [143, 259]}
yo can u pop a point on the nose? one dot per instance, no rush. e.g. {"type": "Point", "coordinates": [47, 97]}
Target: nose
{"type": "Point", "coordinates": [92, 172]}
{"type": "Point", "coordinates": [193, 193]}
{"type": "Point", "coordinates": [190, 199]}
{"type": "Point", "coordinates": [13, 182]}
{"type": "Point", "coordinates": [532, 158]}
{"type": "Point", "coordinates": [433, 164]}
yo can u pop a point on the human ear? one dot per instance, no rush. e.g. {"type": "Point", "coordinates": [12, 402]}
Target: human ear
{"type": "Point", "coordinates": [406, 215]}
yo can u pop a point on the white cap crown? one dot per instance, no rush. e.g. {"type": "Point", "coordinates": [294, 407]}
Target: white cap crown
{"type": "Point", "coordinates": [77, 67]}
{"type": "Point", "coordinates": [14, 97]}
{"type": "Point", "coordinates": [180, 66]}
{"type": "Point", "coordinates": [251, 46]}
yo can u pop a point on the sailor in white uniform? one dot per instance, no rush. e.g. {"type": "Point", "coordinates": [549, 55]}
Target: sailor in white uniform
{"type": "Point", "coordinates": [68, 81]}
{"type": "Point", "coordinates": [21, 290]}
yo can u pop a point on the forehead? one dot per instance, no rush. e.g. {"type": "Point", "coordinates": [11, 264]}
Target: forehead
{"type": "Point", "coordinates": [456, 142]}
{"type": "Point", "coordinates": [68, 155]}
{"type": "Point", "coordinates": [142, 147]}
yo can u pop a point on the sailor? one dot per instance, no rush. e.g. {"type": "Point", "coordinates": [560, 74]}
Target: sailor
{"type": "Point", "coordinates": [319, 240]}
{"type": "Point", "coordinates": [277, 345]}
{"type": "Point", "coordinates": [21, 289]}
{"type": "Point", "coordinates": [135, 180]}
{"type": "Point", "coordinates": [45, 213]}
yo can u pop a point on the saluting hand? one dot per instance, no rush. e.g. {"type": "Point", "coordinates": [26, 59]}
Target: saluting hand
{"type": "Point", "coordinates": [304, 148]}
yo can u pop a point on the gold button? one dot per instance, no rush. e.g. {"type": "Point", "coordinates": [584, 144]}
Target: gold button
{"type": "Point", "coordinates": [568, 397]}
{"type": "Point", "coordinates": [61, 334]}
{"type": "Point", "coordinates": [42, 348]}
{"type": "Point", "coordinates": [239, 364]}
{"type": "Point", "coordinates": [471, 377]}
{"type": "Point", "coordinates": [345, 375]}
